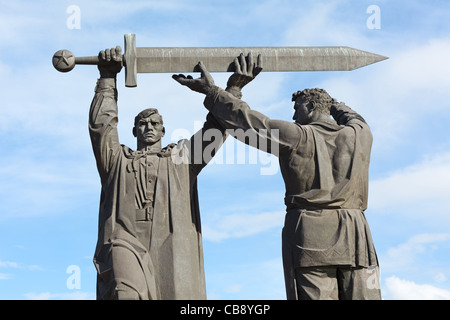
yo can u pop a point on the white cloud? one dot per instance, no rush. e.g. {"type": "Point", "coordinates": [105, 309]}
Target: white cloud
{"type": "Point", "coordinates": [8, 264]}
{"type": "Point", "coordinates": [5, 276]}
{"type": "Point", "coordinates": [440, 277]}
{"type": "Point", "coordinates": [398, 96]}
{"type": "Point", "coordinates": [399, 289]}
{"type": "Point", "coordinates": [104, 10]}
{"type": "Point", "coordinates": [406, 253]}
{"type": "Point", "coordinates": [240, 225]}
{"type": "Point", "coordinates": [322, 24]}
{"type": "Point", "coordinates": [422, 69]}
{"type": "Point", "coordinates": [22, 20]}
{"type": "Point", "coordinates": [46, 185]}
{"type": "Point", "coordinates": [426, 184]}
{"type": "Point", "coordinates": [15, 265]}
{"type": "Point", "coordinates": [421, 258]}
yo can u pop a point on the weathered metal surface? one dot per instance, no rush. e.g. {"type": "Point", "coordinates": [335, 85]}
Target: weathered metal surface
{"type": "Point", "coordinates": [281, 59]}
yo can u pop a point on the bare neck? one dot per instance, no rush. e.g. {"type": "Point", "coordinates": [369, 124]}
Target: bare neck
{"type": "Point", "coordinates": [318, 116]}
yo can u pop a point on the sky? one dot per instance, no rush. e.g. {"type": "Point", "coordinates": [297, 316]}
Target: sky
{"type": "Point", "coordinates": [50, 189]}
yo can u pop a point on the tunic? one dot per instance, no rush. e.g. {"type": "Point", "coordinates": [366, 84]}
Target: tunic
{"type": "Point", "coordinates": [149, 230]}
{"type": "Point", "coordinates": [324, 166]}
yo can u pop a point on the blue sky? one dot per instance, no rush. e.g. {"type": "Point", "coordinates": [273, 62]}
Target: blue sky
{"type": "Point", "coordinates": [49, 187]}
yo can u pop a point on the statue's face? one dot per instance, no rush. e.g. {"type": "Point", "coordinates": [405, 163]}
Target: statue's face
{"type": "Point", "coordinates": [149, 130]}
{"type": "Point", "coordinates": [302, 109]}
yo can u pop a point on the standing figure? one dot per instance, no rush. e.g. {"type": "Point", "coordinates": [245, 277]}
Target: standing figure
{"type": "Point", "coordinates": [328, 252]}
{"type": "Point", "coordinates": [149, 241]}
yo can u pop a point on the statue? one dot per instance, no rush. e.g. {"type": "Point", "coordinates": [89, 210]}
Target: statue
{"type": "Point", "coordinates": [328, 252]}
{"type": "Point", "coordinates": [149, 241]}
{"type": "Point", "coordinates": [148, 248]}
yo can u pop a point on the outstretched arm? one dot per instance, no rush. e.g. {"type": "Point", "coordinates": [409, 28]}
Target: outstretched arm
{"type": "Point", "coordinates": [202, 146]}
{"type": "Point", "coordinates": [251, 126]}
{"type": "Point", "coordinates": [207, 141]}
{"type": "Point", "coordinates": [103, 111]}
{"type": "Point", "coordinates": [246, 125]}
{"type": "Point", "coordinates": [344, 114]}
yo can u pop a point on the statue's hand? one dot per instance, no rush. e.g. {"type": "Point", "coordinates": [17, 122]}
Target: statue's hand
{"type": "Point", "coordinates": [203, 84]}
{"type": "Point", "coordinates": [335, 107]}
{"type": "Point", "coordinates": [110, 62]}
{"type": "Point", "coordinates": [245, 71]}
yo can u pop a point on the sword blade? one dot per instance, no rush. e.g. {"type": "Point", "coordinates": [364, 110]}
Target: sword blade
{"type": "Point", "coordinates": [275, 59]}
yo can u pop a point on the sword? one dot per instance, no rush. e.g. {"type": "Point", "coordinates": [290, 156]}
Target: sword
{"type": "Point", "coordinates": [220, 59]}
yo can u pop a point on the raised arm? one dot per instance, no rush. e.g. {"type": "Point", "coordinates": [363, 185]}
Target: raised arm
{"type": "Point", "coordinates": [251, 126]}
{"type": "Point", "coordinates": [344, 115]}
{"type": "Point", "coordinates": [204, 144]}
{"type": "Point", "coordinates": [233, 114]}
{"type": "Point", "coordinates": [103, 112]}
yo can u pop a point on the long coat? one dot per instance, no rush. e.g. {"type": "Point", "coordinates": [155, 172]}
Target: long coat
{"type": "Point", "coordinates": [170, 264]}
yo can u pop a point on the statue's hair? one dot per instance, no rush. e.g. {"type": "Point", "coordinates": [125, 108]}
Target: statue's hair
{"type": "Point", "coordinates": [319, 98]}
{"type": "Point", "coordinates": [145, 114]}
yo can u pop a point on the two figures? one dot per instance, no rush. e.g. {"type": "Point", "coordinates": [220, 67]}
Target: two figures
{"type": "Point", "coordinates": [149, 244]}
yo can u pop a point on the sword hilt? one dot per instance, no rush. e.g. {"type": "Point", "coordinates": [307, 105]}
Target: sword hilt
{"type": "Point", "coordinates": [65, 61]}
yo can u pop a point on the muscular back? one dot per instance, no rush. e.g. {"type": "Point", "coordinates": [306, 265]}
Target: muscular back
{"type": "Point", "coordinates": [343, 154]}
{"type": "Point", "coordinates": [325, 166]}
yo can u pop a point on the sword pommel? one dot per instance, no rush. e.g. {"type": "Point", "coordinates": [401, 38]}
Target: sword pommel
{"type": "Point", "coordinates": [65, 61]}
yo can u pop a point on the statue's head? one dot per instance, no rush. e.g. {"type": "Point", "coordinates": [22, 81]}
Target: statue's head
{"type": "Point", "coordinates": [148, 127]}
{"type": "Point", "coordinates": [309, 102]}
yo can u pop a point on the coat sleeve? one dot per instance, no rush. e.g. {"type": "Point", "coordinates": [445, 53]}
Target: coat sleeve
{"type": "Point", "coordinates": [251, 126]}
{"type": "Point", "coordinates": [205, 143]}
{"type": "Point", "coordinates": [346, 116]}
{"type": "Point", "coordinates": [103, 125]}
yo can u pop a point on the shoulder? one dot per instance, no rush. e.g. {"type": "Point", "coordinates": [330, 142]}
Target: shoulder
{"type": "Point", "coordinates": [290, 134]}
{"type": "Point", "coordinates": [360, 130]}
{"type": "Point", "coordinates": [168, 150]}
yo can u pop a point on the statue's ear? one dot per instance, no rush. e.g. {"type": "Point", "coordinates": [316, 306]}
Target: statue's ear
{"type": "Point", "coordinates": [134, 131]}
{"type": "Point", "coordinates": [163, 131]}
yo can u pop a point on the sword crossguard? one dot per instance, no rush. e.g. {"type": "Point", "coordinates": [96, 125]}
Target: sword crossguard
{"type": "Point", "coordinates": [65, 61]}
